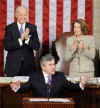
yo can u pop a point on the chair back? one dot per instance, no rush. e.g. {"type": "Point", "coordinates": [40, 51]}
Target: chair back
{"type": "Point", "coordinates": [58, 50]}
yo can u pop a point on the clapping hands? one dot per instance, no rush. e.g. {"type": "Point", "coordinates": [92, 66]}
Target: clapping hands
{"type": "Point", "coordinates": [25, 34]}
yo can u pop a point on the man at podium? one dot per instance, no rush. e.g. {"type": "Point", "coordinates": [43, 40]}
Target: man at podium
{"type": "Point", "coordinates": [48, 82]}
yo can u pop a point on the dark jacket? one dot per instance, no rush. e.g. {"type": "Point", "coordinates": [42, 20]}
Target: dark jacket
{"type": "Point", "coordinates": [40, 89]}
{"type": "Point", "coordinates": [16, 53]}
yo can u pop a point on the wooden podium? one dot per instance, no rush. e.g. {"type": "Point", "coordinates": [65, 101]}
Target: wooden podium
{"type": "Point", "coordinates": [47, 104]}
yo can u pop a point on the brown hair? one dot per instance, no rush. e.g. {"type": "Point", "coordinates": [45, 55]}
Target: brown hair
{"type": "Point", "coordinates": [83, 24]}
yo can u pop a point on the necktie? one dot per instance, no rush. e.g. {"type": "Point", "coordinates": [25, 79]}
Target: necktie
{"type": "Point", "coordinates": [21, 29]}
{"type": "Point", "coordinates": [49, 79]}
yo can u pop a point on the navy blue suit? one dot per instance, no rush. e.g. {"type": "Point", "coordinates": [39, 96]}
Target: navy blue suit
{"type": "Point", "coordinates": [20, 59]}
{"type": "Point", "coordinates": [58, 85]}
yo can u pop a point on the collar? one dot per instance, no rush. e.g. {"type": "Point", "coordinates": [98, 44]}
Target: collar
{"type": "Point", "coordinates": [19, 25]}
{"type": "Point", "coordinates": [45, 74]}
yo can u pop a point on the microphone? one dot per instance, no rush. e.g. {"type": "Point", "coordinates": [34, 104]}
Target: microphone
{"type": "Point", "coordinates": [48, 91]}
{"type": "Point", "coordinates": [49, 86]}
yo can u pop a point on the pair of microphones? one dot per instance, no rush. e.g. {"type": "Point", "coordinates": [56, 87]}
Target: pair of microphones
{"type": "Point", "coordinates": [48, 90]}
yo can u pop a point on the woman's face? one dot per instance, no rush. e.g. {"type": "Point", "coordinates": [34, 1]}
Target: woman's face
{"type": "Point", "coordinates": [77, 29]}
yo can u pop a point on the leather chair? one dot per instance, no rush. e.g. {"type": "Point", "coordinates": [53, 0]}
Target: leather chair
{"type": "Point", "coordinates": [58, 51]}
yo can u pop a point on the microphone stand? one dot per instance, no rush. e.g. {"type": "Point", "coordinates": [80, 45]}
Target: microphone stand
{"type": "Point", "coordinates": [48, 91]}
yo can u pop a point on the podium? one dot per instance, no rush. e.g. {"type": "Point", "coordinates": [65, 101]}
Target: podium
{"type": "Point", "coordinates": [45, 103]}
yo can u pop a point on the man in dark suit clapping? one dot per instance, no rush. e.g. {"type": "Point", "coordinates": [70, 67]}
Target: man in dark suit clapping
{"type": "Point", "coordinates": [21, 40]}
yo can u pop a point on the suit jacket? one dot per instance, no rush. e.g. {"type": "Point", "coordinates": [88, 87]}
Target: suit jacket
{"type": "Point", "coordinates": [40, 89]}
{"type": "Point", "coordinates": [82, 60]}
{"type": "Point", "coordinates": [16, 53]}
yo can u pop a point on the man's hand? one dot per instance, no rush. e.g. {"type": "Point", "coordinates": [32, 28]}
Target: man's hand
{"type": "Point", "coordinates": [22, 36]}
{"type": "Point", "coordinates": [15, 85]}
{"type": "Point", "coordinates": [25, 34]}
{"type": "Point", "coordinates": [84, 79]}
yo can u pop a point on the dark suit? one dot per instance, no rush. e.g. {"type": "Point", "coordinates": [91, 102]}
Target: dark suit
{"type": "Point", "coordinates": [20, 57]}
{"type": "Point", "coordinates": [40, 89]}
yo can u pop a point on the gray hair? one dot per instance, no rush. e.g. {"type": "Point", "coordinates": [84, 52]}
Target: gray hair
{"type": "Point", "coordinates": [19, 8]}
{"type": "Point", "coordinates": [47, 57]}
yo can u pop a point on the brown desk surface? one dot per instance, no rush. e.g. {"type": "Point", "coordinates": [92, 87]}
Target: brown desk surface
{"type": "Point", "coordinates": [4, 84]}
{"type": "Point", "coordinates": [93, 86]}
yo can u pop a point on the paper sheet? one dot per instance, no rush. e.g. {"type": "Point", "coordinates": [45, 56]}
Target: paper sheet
{"type": "Point", "coordinates": [49, 100]}
{"type": "Point", "coordinates": [59, 100]}
{"type": "Point", "coordinates": [20, 78]}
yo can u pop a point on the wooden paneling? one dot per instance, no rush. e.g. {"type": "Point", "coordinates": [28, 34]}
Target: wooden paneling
{"type": "Point", "coordinates": [28, 104]}
{"type": "Point", "coordinates": [89, 98]}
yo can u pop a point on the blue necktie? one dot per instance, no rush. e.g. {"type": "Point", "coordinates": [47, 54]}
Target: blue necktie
{"type": "Point", "coordinates": [21, 29]}
{"type": "Point", "coordinates": [49, 80]}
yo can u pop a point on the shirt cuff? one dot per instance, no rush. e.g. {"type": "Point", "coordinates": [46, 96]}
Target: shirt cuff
{"type": "Point", "coordinates": [27, 41]}
{"type": "Point", "coordinates": [81, 86]}
{"type": "Point", "coordinates": [15, 90]}
{"type": "Point", "coordinates": [20, 42]}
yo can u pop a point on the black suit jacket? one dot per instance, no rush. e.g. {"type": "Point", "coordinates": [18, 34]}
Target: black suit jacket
{"type": "Point", "coordinates": [40, 89]}
{"type": "Point", "coordinates": [16, 53]}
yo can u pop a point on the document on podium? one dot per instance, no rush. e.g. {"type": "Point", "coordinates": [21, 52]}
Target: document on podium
{"type": "Point", "coordinates": [8, 80]}
{"type": "Point", "coordinates": [49, 100]}
{"type": "Point", "coordinates": [23, 79]}
{"type": "Point", "coordinates": [59, 100]}
{"type": "Point", "coordinates": [38, 99]}
{"type": "Point", "coordinates": [5, 80]}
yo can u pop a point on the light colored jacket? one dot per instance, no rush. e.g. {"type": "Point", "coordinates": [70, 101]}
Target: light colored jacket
{"type": "Point", "coordinates": [82, 61]}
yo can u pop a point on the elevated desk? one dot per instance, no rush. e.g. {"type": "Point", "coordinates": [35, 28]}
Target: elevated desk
{"type": "Point", "coordinates": [2, 86]}
{"type": "Point", "coordinates": [90, 97]}
{"type": "Point", "coordinates": [47, 104]}
{"type": "Point", "coordinates": [9, 99]}
{"type": "Point", "coordinates": [92, 94]}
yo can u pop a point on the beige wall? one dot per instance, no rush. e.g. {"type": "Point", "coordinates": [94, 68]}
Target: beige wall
{"type": "Point", "coordinates": [96, 21]}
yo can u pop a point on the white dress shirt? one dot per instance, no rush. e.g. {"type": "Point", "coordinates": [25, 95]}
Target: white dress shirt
{"type": "Point", "coordinates": [46, 77]}
{"type": "Point", "coordinates": [20, 41]}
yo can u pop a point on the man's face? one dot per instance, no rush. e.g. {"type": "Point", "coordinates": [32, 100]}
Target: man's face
{"type": "Point", "coordinates": [49, 67]}
{"type": "Point", "coordinates": [21, 16]}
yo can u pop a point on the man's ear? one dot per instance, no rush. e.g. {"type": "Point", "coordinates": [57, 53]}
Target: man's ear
{"type": "Point", "coordinates": [16, 14]}
{"type": "Point", "coordinates": [43, 67]}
